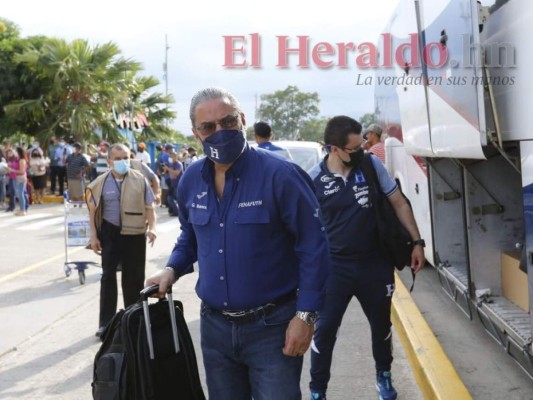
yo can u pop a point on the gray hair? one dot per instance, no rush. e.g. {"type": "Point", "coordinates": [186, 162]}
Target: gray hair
{"type": "Point", "coordinates": [117, 146]}
{"type": "Point", "coordinates": [212, 93]}
{"type": "Point", "coordinates": [374, 128]}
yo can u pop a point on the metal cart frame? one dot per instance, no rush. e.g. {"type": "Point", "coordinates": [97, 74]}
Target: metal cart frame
{"type": "Point", "coordinates": [77, 233]}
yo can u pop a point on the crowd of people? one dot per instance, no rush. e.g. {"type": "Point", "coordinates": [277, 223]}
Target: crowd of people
{"type": "Point", "coordinates": [29, 173]}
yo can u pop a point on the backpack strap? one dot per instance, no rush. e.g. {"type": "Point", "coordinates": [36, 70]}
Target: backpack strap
{"type": "Point", "coordinates": [371, 177]}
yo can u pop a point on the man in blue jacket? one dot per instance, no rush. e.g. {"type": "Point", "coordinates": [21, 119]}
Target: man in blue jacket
{"type": "Point", "coordinates": [253, 223]}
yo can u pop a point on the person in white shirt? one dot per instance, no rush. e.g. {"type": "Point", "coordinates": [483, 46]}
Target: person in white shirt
{"type": "Point", "coordinates": [191, 157]}
{"type": "Point", "coordinates": [142, 155]}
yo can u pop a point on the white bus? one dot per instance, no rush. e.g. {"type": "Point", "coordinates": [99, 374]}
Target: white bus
{"type": "Point", "coordinates": [458, 112]}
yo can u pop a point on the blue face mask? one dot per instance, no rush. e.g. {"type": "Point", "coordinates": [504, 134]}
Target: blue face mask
{"type": "Point", "coordinates": [121, 166]}
{"type": "Point", "coordinates": [224, 146]}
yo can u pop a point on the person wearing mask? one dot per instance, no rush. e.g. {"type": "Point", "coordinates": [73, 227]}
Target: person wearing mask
{"type": "Point", "coordinates": [18, 174]}
{"type": "Point", "coordinates": [374, 144]}
{"type": "Point", "coordinates": [3, 178]}
{"type": "Point", "coordinates": [253, 224]}
{"type": "Point", "coordinates": [191, 157]}
{"type": "Point", "coordinates": [142, 155]}
{"type": "Point", "coordinates": [122, 218]}
{"type": "Point", "coordinates": [52, 147]}
{"type": "Point", "coordinates": [38, 165]}
{"type": "Point", "coordinates": [101, 158]}
{"type": "Point", "coordinates": [60, 159]}
{"type": "Point", "coordinates": [357, 266]}
{"type": "Point", "coordinates": [77, 167]}
{"type": "Point", "coordinates": [174, 169]}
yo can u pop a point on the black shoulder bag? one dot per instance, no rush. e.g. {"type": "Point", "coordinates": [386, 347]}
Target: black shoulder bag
{"type": "Point", "coordinates": [395, 242]}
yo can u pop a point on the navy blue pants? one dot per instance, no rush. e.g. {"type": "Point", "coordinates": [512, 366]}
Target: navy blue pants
{"type": "Point", "coordinates": [372, 282]}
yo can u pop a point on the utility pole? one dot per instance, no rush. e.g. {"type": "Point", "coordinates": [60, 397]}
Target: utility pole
{"type": "Point", "coordinates": [165, 65]}
{"type": "Point", "coordinates": [256, 109]}
{"type": "Point", "coordinates": [165, 72]}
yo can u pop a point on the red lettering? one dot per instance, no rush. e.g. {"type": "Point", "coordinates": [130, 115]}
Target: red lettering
{"type": "Point", "coordinates": [322, 48]}
{"type": "Point", "coordinates": [256, 44]}
{"type": "Point", "coordinates": [343, 53]}
{"type": "Point", "coordinates": [387, 50]}
{"type": "Point", "coordinates": [368, 59]}
{"type": "Point", "coordinates": [229, 52]}
{"type": "Point", "coordinates": [412, 46]}
{"type": "Point", "coordinates": [301, 50]}
{"type": "Point", "coordinates": [442, 51]}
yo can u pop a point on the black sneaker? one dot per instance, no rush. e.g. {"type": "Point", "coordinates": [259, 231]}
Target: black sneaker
{"type": "Point", "coordinates": [318, 396]}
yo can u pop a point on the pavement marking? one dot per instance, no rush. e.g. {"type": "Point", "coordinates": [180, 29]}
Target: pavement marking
{"type": "Point", "coordinates": [434, 372]}
{"type": "Point", "coordinates": [26, 218]}
{"type": "Point", "coordinates": [42, 224]}
{"type": "Point", "coordinates": [37, 265]}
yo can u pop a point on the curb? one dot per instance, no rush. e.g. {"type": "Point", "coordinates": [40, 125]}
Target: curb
{"type": "Point", "coordinates": [434, 373]}
{"type": "Point", "coordinates": [53, 199]}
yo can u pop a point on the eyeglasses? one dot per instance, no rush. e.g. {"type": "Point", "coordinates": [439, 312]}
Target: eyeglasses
{"type": "Point", "coordinates": [348, 150]}
{"type": "Point", "coordinates": [228, 122]}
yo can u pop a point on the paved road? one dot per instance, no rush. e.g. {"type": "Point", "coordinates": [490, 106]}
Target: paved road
{"type": "Point", "coordinates": [47, 342]}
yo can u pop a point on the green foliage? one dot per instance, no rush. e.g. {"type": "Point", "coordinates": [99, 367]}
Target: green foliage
{"type": "Point", "coordinates": [53, 87]}
{"type": "Point", "coordinates": [367, 119]}
{"type": "Point", "coordinates": [286, 110]}
{"type": "Point", "coordinates": [250, 135]}
{"type": "Point", "coordinates": [313, 129]}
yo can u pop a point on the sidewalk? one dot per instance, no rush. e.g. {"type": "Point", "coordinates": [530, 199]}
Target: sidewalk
{"type": "Point", "coordinates": [57, 362]}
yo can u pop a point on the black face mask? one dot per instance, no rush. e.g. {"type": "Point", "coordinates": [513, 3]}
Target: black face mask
{"type": "Point", "coordinates": [355, 159]}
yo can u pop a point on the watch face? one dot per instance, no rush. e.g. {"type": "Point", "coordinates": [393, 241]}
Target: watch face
{"type": "Point", "coordinates": [311, 317]}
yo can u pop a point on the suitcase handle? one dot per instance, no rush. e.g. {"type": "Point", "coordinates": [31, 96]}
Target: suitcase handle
{"type": "Point", "coordinates": [145, 294]}
{"type": "Point", "coordinates": [150, 291]}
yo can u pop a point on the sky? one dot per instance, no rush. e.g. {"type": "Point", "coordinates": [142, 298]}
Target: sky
{"type": "Point", "coordinates": [198, 50]}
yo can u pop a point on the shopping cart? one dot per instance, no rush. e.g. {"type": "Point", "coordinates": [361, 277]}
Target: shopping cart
{"type": "Point", "coordinates": [77, 233]}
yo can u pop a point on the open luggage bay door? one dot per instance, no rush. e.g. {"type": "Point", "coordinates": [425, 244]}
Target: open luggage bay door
{"type": "Point", "coordinates": [442, 102]}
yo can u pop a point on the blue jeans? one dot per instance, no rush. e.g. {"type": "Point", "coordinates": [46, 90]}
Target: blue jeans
{"type": "Point", "coordinates": [246, 360]}
{"type": "Point", "coordinates": [20, 190]}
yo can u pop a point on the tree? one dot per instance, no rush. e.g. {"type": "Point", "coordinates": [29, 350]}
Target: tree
{"type": "Point", "coordinates": [287, 110]}
{"type": "Point", "coordinates": [16, 80]}
{"type": "Point", "coordinates": [81, 85]}
{"type": "Point", "coordinates": [367, 119]}
{"type": "Point", "coordinates": [313, 129]}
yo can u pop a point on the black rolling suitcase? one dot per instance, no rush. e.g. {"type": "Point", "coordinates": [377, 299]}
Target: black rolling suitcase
{"type": "Point", "coordinates": [147, 353]}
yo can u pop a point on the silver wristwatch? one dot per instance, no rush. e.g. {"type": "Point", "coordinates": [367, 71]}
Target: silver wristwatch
{"type": "Point", "coordinates": [309, 317]}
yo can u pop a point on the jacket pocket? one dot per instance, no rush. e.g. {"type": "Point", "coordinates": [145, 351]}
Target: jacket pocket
{"type": "Point", "coordinates": [253, 226]}
{"type": "Point", "coordinates": [199, 219]}
{"type": "Point", "coordinates": [252, 216]}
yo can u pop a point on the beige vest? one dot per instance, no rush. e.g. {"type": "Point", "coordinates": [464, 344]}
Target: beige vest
{"type": "Point", "coordinates": [132, 207]}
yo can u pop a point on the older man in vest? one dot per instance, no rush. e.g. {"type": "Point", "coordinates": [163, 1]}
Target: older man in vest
{"type": "Point", "coordinates": [122, 216]}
